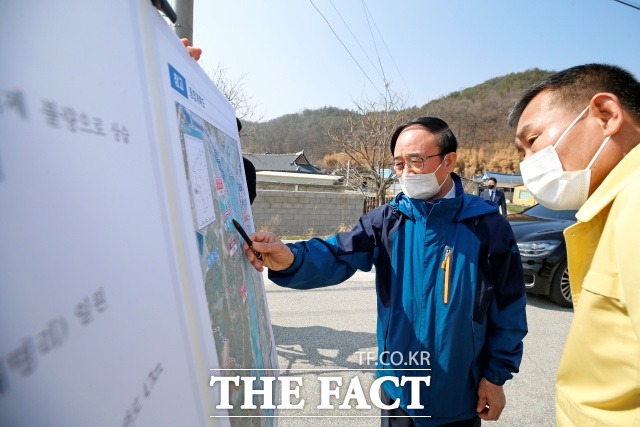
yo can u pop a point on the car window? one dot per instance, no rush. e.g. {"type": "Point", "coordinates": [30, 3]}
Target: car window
{"type": "Point", "coordinates": [540, 211]}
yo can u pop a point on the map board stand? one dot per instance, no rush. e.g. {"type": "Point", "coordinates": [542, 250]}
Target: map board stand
{"type": "Point", "coordinates": [113, 309]}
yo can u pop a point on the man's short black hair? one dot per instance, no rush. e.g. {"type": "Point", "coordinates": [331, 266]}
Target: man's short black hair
{"type": "Point", "coordinates": [446, 140]}
{"type": "Point", "coordinates": [239, 123]}
{"type": "Point", "coordinates": [576, 86]}
{"type": "Point", "coordinates": [495, 181]}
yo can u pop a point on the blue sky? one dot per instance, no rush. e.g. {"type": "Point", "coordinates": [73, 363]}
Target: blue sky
{"type": "Point", "coordinates": [291, 59]}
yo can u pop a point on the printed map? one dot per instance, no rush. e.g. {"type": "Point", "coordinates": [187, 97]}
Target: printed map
{"type": "Point", "coordinates": [236, 298]}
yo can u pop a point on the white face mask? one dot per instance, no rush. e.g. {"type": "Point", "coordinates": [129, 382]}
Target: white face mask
{"type": "Point", "coordinates": [550, 184]}
{"type": "Point", "coordinates": [421, 186]}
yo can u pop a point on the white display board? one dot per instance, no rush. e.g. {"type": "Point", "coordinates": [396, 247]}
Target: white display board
{"type": "Point", "coordinates": [203, 145]}
{"type": "Point", "coordinates": [105, 314]}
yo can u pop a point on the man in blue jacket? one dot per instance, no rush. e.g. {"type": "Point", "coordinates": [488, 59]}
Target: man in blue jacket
{"type": "Point", "coordinates": [449, 284]}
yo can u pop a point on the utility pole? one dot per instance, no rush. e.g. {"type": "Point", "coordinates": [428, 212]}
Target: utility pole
{"type": "Point", "coordinates": [184, 24]}
{"type": "Point", "coordinates": [348, 167]}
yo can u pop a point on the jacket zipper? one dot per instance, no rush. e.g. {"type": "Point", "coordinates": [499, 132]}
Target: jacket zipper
{"type": "Point", "coordinates": [445, 266]}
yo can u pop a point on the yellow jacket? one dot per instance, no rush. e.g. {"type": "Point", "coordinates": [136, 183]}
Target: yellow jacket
{"type": "Point", "coordinates": [598, 380]}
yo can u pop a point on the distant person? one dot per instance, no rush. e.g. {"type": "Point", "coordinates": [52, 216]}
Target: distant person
{"type": "Point", "coordinates": [249, 172]}
{"type": "Point", "coordinates": [579, 133]}
{"type": "Point", "coordinates": [496, 196]}
{"type": "Point", "coordinates": [449, 284]}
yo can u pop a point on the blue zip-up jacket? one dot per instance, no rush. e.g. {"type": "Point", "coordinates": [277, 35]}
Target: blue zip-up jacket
{"type": "Point", "coordinates": [450, 293]}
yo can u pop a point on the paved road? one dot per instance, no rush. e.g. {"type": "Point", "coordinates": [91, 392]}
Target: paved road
{"type": "Point", "coordinates": [334, 328]}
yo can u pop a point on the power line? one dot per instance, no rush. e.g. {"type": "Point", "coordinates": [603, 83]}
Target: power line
{"type": "Point", "coordinates": [388, 50]}
{"type": "Point", "coordinates": [347, 49]}
{"type": "Point", "coordinates": [356, 39]}
{"type": "Point", "coordinates": [386, 83]}
{"type": "Point", "coordinates": [628, 4]}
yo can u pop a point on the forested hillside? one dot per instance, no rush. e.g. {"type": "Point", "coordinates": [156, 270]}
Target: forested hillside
{"type": "Point", "coordinates": [295, 132]}
{"type": "Point", "coordinates": [477, 115]}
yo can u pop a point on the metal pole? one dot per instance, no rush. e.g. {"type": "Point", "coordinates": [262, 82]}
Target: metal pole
{"type": "Point", "coordinates": [348, 164]}
{"type": "Point", "coordinates": [184, 24]}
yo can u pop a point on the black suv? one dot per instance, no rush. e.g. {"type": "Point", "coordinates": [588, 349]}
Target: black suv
{"type": "Point", "coordinates": [538, 231]}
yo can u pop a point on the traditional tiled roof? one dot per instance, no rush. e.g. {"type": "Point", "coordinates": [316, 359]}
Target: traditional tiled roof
{"type": "Point", "coordinates": [296, 162]}
{"type": "Point", "coordinates": [504, 179]}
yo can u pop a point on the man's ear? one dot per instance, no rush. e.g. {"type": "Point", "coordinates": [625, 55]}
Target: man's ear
{"type": "Point", "coordinates": [450, 161]}
{"type": "Point", "coordinates": [607, 109]}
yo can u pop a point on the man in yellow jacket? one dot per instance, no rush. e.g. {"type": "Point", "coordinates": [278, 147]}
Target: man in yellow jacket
{"type": "Point", "coordinates": [579, 133]}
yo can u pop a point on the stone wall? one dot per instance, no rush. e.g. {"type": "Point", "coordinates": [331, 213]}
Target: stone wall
{"type": "Point", "coordinates": [301, 213]}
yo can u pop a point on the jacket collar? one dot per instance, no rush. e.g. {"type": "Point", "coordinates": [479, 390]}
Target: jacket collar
{"type": "Point", "coordinates": [461, 207]}
{"type": "Point", "coordinates": [617, 179]}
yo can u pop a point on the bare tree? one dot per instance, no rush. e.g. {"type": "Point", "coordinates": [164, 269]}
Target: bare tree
{"type": "Point", "coordinates": [365, 141]}
{"type": "Point", "coordinates": [235, 92]}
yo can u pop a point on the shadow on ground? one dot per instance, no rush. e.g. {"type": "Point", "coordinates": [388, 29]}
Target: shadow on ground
{"type": "Point", "coordinates": [319, 346]}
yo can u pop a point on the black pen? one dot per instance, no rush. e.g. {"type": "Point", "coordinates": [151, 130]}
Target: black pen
{"type": "Point", "coordinates": [246, 238]}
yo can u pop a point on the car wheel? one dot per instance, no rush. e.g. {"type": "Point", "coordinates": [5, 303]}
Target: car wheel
{"type": "Point", "coordinates": [560, 292]}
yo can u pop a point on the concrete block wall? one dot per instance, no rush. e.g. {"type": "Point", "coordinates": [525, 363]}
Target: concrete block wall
{"type": "Point", "coordinates": [301, 213]}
